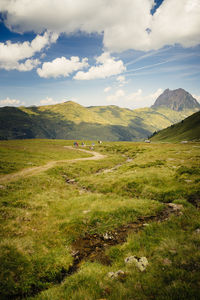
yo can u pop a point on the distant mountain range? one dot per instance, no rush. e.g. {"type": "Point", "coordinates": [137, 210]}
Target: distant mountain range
{"type": "Point", "coordinates": [70, 120]}
{"type": "Point", "coordinates": [186, 130]}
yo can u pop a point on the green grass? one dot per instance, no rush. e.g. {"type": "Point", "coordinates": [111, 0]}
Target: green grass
{"type": "Point", "coordinates": [41, 216]}
{"type": "Point", "coordinates": [16, 155]}
{"type": "Point", "coordinates": [187, 130]}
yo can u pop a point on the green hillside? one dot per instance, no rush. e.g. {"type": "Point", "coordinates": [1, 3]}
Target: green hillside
{"type": "Point", "coordinates": [188, 129]}
{"type": "Point", "coordinates": [70, 120]}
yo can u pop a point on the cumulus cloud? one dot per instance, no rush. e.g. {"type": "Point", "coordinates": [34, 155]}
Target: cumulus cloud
{"type": "Point", "coordinates": [121, 80]}
{"type": "Point", "coordinates": [138, 99]}
{"type": "Point", "coordinates": [62, 67]}
{"type": "Point", "coordinates": [133, 100]}
{"type": "Point", "coordinates": [10, 102]}
{"type": "Point", "coordinates": [47, 100]}
{"type": "Point", "coordinates": [106, 66]}
{"type": "Point", "coordinates": [126, 24]}
{"type": "Point", "coordinates": [119, 94]}
{"type": "Point", "coordinates": [107, 89]}
{"type": "Point", "coordinates": [197, 97]}
{"type": "Point", "coordinates": [11, 54]}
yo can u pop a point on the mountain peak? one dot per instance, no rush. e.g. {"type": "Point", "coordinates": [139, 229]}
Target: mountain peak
{"type": "Point", "coordinates": [178, 100]}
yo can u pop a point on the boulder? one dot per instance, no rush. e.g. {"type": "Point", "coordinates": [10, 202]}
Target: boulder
{"type": "Point", "coordinates": [140, 262]}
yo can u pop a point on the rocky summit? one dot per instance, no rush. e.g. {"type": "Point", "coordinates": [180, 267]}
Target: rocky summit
{"type": "Point", "coordinates": [177, 100]}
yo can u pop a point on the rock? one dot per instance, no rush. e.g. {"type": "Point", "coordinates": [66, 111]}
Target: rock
{"type": "Point", "coordinates": [140, 262]}
{"type": "Point", "coordinates": [130, 259]}
{"type": "Point", "coordinates": [145, 224]}
{"type": "Point", "coordinates": [175, 207]}
{"type": "Point", "coordinates": [2, 186]}
{"type": "Point", "coordinates": [86, 211]}
{"type": "Point", "coordinates": [107, 236]}
{"type": "Point", "coordinates": [111, 275]}
{"type": "Point", "coordinates": [72, 181]}
{"type": "Point", "coordinates": [197, 231]}
{"type": "Point", "coordinates": [188, 180]}
{"type": "Point", "coordinates": [129, 160]}
{"type": "Point", "coordinates": [118, 274]}
{"type": "Point", "coordinates": [75, 253]}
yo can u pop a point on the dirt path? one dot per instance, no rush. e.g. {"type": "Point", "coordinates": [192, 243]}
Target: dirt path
{"type": "Point", "coordinates": [36, 170]}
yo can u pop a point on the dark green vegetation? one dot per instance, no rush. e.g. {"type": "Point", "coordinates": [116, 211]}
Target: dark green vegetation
{"type": "Point", "coordinates": [109, 123]}
{"type": "Point", "coordinates": [42, 216]}
{"type": "Point", "coordinates": [187, 130]}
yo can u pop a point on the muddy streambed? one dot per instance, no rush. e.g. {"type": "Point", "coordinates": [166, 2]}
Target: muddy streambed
{"type": "Point", "coordinates": [93, 246]}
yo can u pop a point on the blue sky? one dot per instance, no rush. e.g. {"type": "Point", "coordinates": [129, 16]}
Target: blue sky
{"type": "Point", "coordinates": [123, 53]}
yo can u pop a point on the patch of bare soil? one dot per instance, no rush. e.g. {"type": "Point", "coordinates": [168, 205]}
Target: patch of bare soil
{"type": "Point", "coordinates": [194, 199]}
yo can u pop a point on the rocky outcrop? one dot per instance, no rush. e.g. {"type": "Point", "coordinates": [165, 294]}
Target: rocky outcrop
{"type": "Point", "coordinates": [177, 100]}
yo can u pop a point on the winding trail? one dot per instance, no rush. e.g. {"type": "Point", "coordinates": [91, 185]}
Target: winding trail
{"type": "Point", "coordinates": [36, 170]}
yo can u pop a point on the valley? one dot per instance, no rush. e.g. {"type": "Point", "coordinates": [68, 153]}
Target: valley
{"type": "Point", "coordinates": [70, 120]}
{"type": "Point", "coordinates": [67, 231]}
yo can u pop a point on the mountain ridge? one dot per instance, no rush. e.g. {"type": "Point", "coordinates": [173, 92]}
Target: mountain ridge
{"type": "Point", "coordinates": [70, 120]}
{"type": "Point", "coordinates": [178, 100]}
{"type": "Point", "coordinates": [186, 130]}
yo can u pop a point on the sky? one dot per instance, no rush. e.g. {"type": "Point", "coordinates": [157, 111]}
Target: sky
{"type": "Point", "coordinates": [116, 52]}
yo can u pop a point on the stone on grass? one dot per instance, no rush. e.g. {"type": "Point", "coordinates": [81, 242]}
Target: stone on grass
{"type": "Point", "coordinates": [140, 262]}
{"type": "Point", "coordinates": [86, 211]}
{"type": "Point", "coordinates": [197, 230]}
{"type": "Point", "coordinates": [175, 207]}
{"type": "Point", "coordinates": [145, 224]}
{"type": "Point", "coordinates": [107, 236]}
{"type": "Point", "coordinates": [117, 275]}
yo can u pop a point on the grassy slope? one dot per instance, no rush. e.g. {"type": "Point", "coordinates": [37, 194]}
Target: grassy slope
{"type": "Point", "coordinates": [42, 215]}
{"type": "Point", "coordinates": [188, 129]}
{"type": "Point", "coordinates": [70, 120]}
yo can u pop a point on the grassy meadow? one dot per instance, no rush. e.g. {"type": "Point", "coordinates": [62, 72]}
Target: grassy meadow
{"type": "Point", "coordinates": [43, 216]}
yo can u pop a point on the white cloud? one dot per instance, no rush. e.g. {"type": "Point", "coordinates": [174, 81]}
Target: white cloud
{"type": "Point", "coordinates": [9, 102]}
{"type": "Point", "coordinates": [133, 100]}
{"type": "Point", "coordinates": [107, 89]}
{"type": "Point", "coordinates": [12, 53]}
{"type": "Point", "coordinates": [121, 78]}
{"type": "Point", "coordinates": [119, 94]}
{"type": "Point", "coordinates": [47, 100]}
{"type": "Point", "coordinates": [197, 97]}
{"type": "Point", "coordinates": [28, 65]}
{"type": "Point", "coordinates": [123, 23]}
{"type": "Point", "coordinates": [137, 99]}
{"type": "Point", "coordinates": [106, 66]}
{"type": "Point", "coordinates": [61, 67]}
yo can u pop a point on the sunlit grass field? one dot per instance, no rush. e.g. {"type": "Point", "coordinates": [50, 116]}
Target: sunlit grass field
{"type": "Point", "coordinates": [41, 217]}
{"type": "Point", "coordinates": [16, 155]}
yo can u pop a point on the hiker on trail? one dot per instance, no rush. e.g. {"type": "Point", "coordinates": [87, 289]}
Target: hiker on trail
{"type": "Point", "coordinates": [75, 144]}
